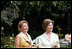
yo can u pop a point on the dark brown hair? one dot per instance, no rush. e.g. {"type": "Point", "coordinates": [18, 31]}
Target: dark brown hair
{"type": "Point", "coordinates": [46, 23]}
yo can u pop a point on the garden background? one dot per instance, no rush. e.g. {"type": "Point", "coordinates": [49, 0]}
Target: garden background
{"type": "Point", "coordinates": [34, 12]}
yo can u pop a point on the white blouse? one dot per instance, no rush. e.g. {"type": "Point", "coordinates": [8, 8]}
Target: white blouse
{"type": "Point", "coordinates": [44, 42]}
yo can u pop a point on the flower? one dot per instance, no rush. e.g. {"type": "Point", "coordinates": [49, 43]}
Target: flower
{"type": "Point", "coordinates": [12, 34]}
{"type": "Point", "coordinates": [68, 37]}
{"type": "Point", "coordinates": [2, 28]}
{"type": "Point", "coordinates": [10, 37]}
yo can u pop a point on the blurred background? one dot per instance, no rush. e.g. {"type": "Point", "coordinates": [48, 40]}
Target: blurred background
{"type": "Point", "coordinates": [34, 12]}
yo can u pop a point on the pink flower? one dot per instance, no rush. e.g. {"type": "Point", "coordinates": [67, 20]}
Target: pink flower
{"type": "Point", "coordinates": [68, 37]}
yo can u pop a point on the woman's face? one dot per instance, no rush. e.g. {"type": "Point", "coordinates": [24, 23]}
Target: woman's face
{"type": "Point", "coordinates": [50, 27]}
{"type": "Point", "coordinates": [24, 27]}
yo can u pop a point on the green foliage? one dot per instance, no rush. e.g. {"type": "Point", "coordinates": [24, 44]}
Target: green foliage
{"type": "Point", "coordinates": [61, 35]}
{"type": "Point", "coordinates": [34, 34]}
{"type": "Point", "coordinates": [69, 46]}
{"type": "Point", "coordinates": [10, 13]}
{"type": "Point", "coordinates": [48, 9]}
{"type": "Point", "coordinates": [7, 41]}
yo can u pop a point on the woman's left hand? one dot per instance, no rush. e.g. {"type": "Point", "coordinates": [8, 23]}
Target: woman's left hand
{"type": "Point", "coordinates": [54, 45]}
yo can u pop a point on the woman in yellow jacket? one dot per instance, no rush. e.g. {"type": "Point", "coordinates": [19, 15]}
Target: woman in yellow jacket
{"type": "Point", "coordinates": [23, 39]}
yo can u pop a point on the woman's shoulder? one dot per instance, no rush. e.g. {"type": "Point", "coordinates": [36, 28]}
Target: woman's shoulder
{"type": "Point", "coordinates": [41, 36]}
{"type": "Point", "coordinates": [18, 36]}
{"type": "Point", "coordinates": [38, 37]}
{"type": "Point", "coordinates": [54, 34]}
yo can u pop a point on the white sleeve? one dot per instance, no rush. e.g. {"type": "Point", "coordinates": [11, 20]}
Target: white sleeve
{"type": "Point", "coordinates": [58, 42]}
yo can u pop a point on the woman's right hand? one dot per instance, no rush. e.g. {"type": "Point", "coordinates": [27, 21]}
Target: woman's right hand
{"type": "Point", "coordinates": [30, 46]}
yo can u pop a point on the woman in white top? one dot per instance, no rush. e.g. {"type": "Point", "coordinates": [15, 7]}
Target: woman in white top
{"type": "Point", "coordinates": [48, 39]}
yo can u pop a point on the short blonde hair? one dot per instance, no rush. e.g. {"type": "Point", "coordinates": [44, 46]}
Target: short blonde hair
{"type": "Point", "coordinates": [46, 23]}
{"type": "Point", "coordinates": [20, 24]}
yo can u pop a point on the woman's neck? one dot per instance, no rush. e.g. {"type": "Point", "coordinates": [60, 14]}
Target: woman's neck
{"type": "Point", "coordinates": [24, 32]}
{"type": "Point", "coordinates": [48, 32]}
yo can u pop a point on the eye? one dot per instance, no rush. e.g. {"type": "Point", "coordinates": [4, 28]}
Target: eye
{"type": "Point", "coordinates": [49, 25]}
{"type": "Point", "coordinates": [23, 26]}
